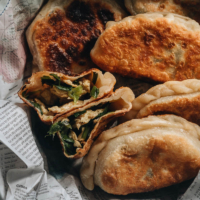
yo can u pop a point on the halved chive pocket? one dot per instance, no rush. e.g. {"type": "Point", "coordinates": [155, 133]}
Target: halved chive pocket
{"type": "Point", "coordinates": [80, 127]}
{"type": "Point", "coordinates": [52, 94]}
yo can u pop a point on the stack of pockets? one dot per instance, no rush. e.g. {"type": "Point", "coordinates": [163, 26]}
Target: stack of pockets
{"type": "Point", "coordinates": [155, 148]}
{"type": "Point", "coordinates": [158, 144]}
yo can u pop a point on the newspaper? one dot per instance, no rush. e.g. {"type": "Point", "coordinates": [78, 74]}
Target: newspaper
{"type": "Point", "coordinates": [32, 166]}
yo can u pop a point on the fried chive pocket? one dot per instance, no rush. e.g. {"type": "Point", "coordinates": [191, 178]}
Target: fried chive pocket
{"type": "Point", "coordinates": [180, 98]}
{"type": "Point", "coordinates": [79, 128]}
{"type": "Point", "coordinates": [151, 46]}
{"type": "Point", "coordinates": [52, 94]}
{"type": "Point", "coordinates": [143, 155]}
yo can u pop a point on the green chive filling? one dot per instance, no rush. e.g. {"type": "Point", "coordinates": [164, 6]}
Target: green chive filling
{"type": "Point", "coordinates": [58, 93]}
{"type": "Point", "coordinates": [76, 129]}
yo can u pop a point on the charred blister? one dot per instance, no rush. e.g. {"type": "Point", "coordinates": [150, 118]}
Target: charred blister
{"type": "Point", "coordinates": [184, 45]}
{"type": "Point", "coordinates": [88, 27]}
{"type": "Point", "coordinates": [55, 37]}
{"type": "Point", "coordinates": [84, 32]}
{"type": "Point", "coordinates": [77, 41]}
{"type": "Point", "coordinates": [72, 51]}
{"type": "Point", "coordinates": [97, 32]}
{"type": "Point", "coordinates": [171, 45]}
{"type": "Point", "coordinates": [62, 32]}
{"type": "Point", "coordinates": [56, 18]}
{"type": "Point", "coordinates": [45, 35]}
{"type": "Point", "coordinates": [80, 12]}
{"type": "Point", "coordinates": [64, 43]}
{"type": "Point", "coordinates": [105, 15]}
{"type": "Point", "coordinates": [57, 59]}
{"type": "Point", "coordinates": [74, 30]}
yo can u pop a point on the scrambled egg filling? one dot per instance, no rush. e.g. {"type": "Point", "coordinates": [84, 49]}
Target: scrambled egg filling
{"type": "Point", "coordinates": [85, 83]}
{"type": "Point", "coordinates": [74, 137]}
{"type": "Point", "coordinates": [50, 96]}
{"type": "Point", "coordinates": [56, 109]}
{"type": "Point", "coordinates": [80, 121]}
{"type": "Point", "coordinates": [86, 117]}
{"type": "Point", "coordinates": [43, 108]}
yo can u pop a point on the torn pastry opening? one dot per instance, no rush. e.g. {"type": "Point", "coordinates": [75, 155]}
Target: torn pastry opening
{"type": "Point", "coordinates": [56, 93]}
{"type": "Point", "coordinates": [77, 128]}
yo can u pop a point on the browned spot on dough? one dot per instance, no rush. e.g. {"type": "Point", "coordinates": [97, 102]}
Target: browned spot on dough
{"type": "Point", "coordinates": [171, 45]}
{"type": "Point", "coordinates": [162, 6]}
{"type": "Point", "coordinates": [148, 38]}
{"type": "Point", "coordinates": [152, 167]}
{"type": "Point", "coordinates": [65, 38]}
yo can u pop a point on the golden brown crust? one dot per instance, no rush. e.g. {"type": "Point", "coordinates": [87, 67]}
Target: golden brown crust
{"type": "Point", "coordinates": [63, 33]}
{"type": "Point", "coordinates": [143, 155]}
{"type": "Point", "coordinates": [165, 164]}
{"type": "Point", "coordinates": [105, 83]}
{"type": "Point", "coordinates": [156, 48]}
{"type": "Point", "coordinates": [124, 95]}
